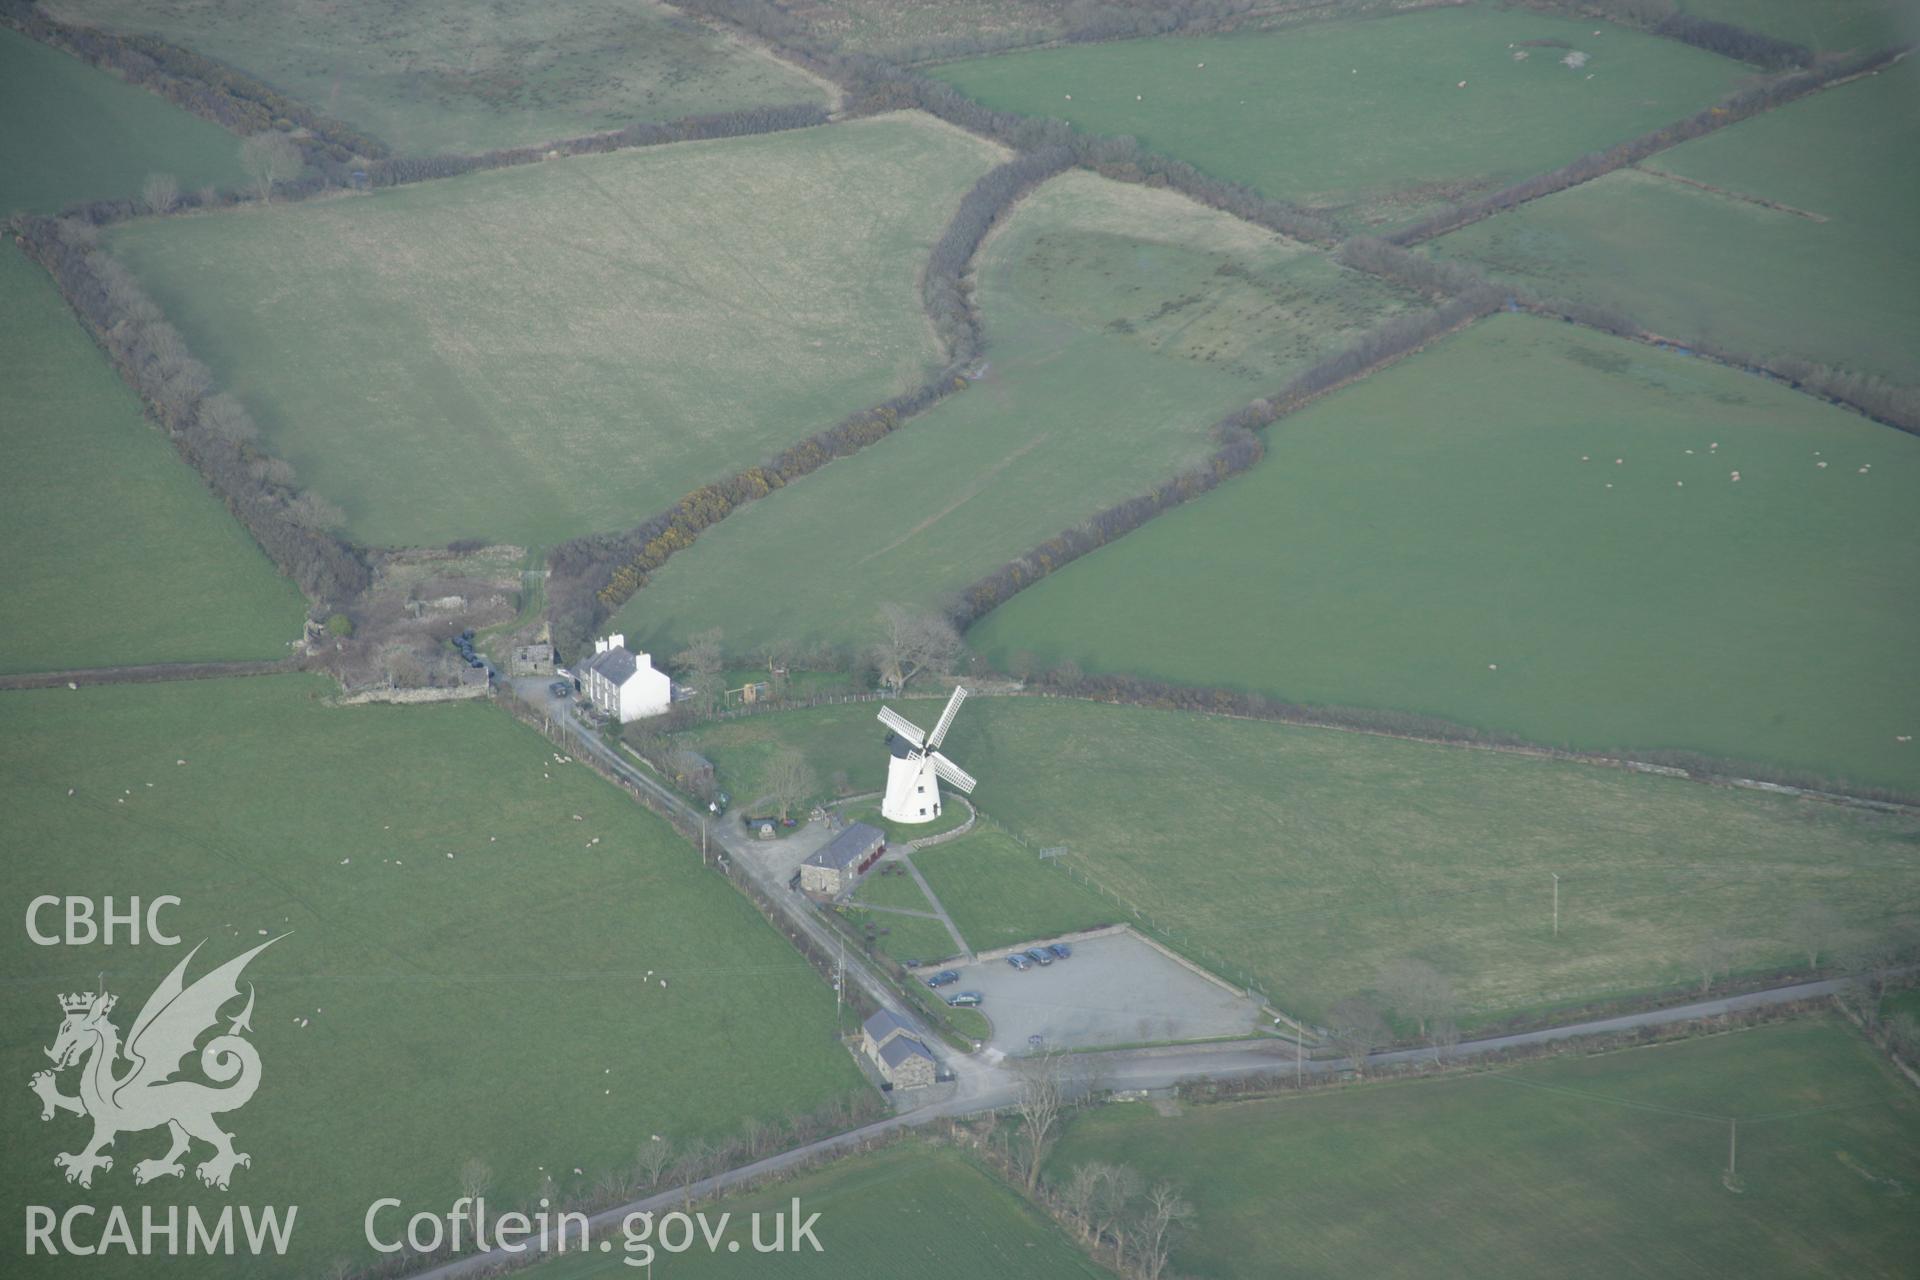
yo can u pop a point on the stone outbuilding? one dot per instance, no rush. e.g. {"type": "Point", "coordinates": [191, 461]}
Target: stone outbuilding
{"type": "Point", "coordinates": [532, 660]}
{"type": "Point", "coordinates": [897, 1053]}
{"type": "Point", "coordinates": [840, 863]}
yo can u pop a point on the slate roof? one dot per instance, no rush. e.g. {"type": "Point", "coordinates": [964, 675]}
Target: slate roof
{"type": "Point", "coordinates": [902, 1048]}
{"type": "Point", "coordinates": [847, 848]}
{"type": "Point", "coordinates": [883, 1024]}
{"type": "Point", "coordinates": [616, 665]}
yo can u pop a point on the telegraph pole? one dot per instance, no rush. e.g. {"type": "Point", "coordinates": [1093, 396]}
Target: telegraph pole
{"type": "Point", "coordinates": [1556, 903]}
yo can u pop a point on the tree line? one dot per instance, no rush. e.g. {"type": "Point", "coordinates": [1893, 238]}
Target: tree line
{"type": "Point", "coordinates": [205, 86]}
{"type": "Point", "coordinates": [592, 576]}
{"type": "Point", "coordinates": [1729, 110]}
{"type": "Point", "coordinates": [210, 428]}
{"type": "Point", "coordinates": [1236, 448]}
{"type": "Point", "coordinates": [1664, 18]}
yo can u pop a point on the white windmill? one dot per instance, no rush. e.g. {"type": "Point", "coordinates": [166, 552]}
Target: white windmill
{"type": "Point", "coordinates": [914, 772]}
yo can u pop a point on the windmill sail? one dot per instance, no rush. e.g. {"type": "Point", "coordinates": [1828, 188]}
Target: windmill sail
{"type": "Point", "coordinates": [946, 717]}
{"type": "Point", "coordinates": [953, 773]}
{"type": "Point", "coordinates": [901, 725]}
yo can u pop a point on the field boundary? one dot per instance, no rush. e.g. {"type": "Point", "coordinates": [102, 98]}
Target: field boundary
{"type": "Point", "coordinates": [1237, 448]}
{"type": "Point", "coordinates": [1725, 193]}
{"type": "Point", "coordinates": [592, 576]}
{"type": "Point", "coordinates": [1735, 107]}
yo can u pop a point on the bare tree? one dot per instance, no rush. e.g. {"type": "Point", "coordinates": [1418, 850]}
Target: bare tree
{"type": "Point", "coordinates": [160, 193]}
{"type": "Point", "coordinates": [777, 654]}
{"type": "Point", "coordinates": [790, 779]}
{"type": "Point", "coordinates": [311, 511]}
{"type": "Point", "coordinates": [476, 1175]}
{"type": "Point", "coordinates": [1118, 1187]}
{"type": "Point", "coordinates": [1814, 927]}
{"type": "Point", "coordinates": [695, 1159]}
{"type": "Point", "coordinates": [911, 643]}
{"type": "Point", "coordinates": [1040, 1091]}
{"type": "Point", "coordinates": [1356, 1029]}
{"type": "Point", "coordinates": [1162, 1219]}
{"type": "Point", "coordinates": [1712, 956]}
{"type": "Point", "coordinates": [654, 1158]}
{"type": "Point", "coordinates": [268, 158]}
{"type": "Point", "coordinates": [700, 665]}
{"type": "Point", "coordinates": [1444, 1037]}
{"type": "Point", "coordinates": [1077, 1197]}
{"type": "Point", "coordinates": [1871, 959]}
{"type": "Point", "coordinates": [225, 418]}
{"type": "Point", "coordinates": [1417, 990]}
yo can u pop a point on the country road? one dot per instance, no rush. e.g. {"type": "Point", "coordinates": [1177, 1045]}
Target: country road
{"type": "Point", "coordinates": [986, 1086]}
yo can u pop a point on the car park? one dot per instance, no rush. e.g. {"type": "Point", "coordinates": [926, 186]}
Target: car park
{"type": "Point", "coordinates": [1040, 956]}
{"type": "Point", "coordinates": [1061, 951]}
{"type": "Point", "coordinates": [965, 999]}
{"type": "Point", "coordinates": [944, 978]}
{"type": "Point", "coordinates": [1019, 961]}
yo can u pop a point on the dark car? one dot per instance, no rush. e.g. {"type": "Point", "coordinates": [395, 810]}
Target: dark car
{"type": "Point", "coordinates": [1040, 955]}
{"type": "Point", "coordinates": [1019, 961]}
{"type": "Point", "coordinates": [559, 688]}
{"type": "Point", "coordinates": [965, 999]}
{"type": "Point", "coordinates": [1061, 951]}
{"type": "Point", "coordinates": [944, 978]}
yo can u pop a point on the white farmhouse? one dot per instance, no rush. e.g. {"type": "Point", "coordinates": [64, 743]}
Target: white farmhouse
{"type": "Point", "coordinates": [624, 685]}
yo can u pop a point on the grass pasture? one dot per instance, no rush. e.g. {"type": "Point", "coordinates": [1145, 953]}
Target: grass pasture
{"type": "Point", "coordinates": [896, 29]}
{"type": "Point", "coordinates": [1430, 540]}
{"type": "Point", "coordinates": [1578, 1167]}
{"type": "Point", "coordinates": [465, 974]}
{"type": "Point", "coordinates": [76, 133]}
{"type": "Point", "coordinates": [1121, 323]}
{"type": "Point", "coordinates": [1311, 858]}
{"type": "Point", "coordinates": [119, 554]}
{"type": "Point", "coordinates": [1824, 270]}
{"type": "Point", "coordinates": [529, 354]}
{"type": "Point", "coordinates": [913, 1207]}
{"type": "Point", "coordinates": [1365, 120]}
{"type": "Point", "coordinates": [439, 76]}
{"type": "Point", "coordinates": [1002, 893]}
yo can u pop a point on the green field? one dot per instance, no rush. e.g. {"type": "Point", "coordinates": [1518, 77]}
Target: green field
{"type": "Point", "coordinates": [119, 552]}
{"type": "Point", "coordinates": [76, 133]}
{"type": "Point", "coordinates": [465, 975]}
{"type": "Point", "coordinates": [1833, 282]}
{"type": "Point", "coordinates": [1308, 859]}
{"type": "Point", "coordinates": [533, 353]}
{"type": "Point", "coordinates": [1430, 540]}
{"type": "Point", "coordinates": [1581, 1167]}
{"type": "Point", "coordinates": [1365, 120]}
{"type": "Point", "coordinates": [908, 939]}
{"type": "Point", "coordinates": [1121, 324]}
{"type": "Point", "coordinates": [1001, 893]}
{"type": "Point", "coordinates": [899, 30]}
{"type": "Point", "coordinates": [1821, 25]}
{"type": "Point", "coordinates": [913, 1209]}
{"type": "Point", "coordinates": [442, 76]}
{"type": "Point", "coordinates": [892, 891]}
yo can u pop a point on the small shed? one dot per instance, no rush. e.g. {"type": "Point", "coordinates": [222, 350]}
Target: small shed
{"type": "Point", "coordinates": [840, 863]}
{"type": "Point", "coordinates": [532, 660]}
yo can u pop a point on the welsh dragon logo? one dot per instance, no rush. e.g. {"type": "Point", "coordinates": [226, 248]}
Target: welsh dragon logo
{"type": "Point", "coordinates": [145, 1095]}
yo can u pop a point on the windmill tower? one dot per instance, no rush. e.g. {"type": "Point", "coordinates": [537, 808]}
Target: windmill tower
{"type": "Point", "coordinates": [914, 772]}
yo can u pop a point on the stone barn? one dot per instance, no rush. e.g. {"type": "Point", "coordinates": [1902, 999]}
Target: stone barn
{"type": "Point", "coordinates": [840, 863]}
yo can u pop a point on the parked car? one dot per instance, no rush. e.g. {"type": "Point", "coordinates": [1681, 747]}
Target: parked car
{"type": "Point", "coordinates": [965, 999]}
{"type": "Point", "coordinates": [559, 688]}
{"type": "Point", "coordinates": [1019, 961]}
{"type": "Point", "coordinates": [944, 978]}
{"type": "Point", "coordinates": [1061, 951]}
{"type": "Point", "coordinates": [1040, 955]}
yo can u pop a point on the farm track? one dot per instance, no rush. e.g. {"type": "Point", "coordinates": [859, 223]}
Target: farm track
{"type": "Point", "coordinates": [155, 673]}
